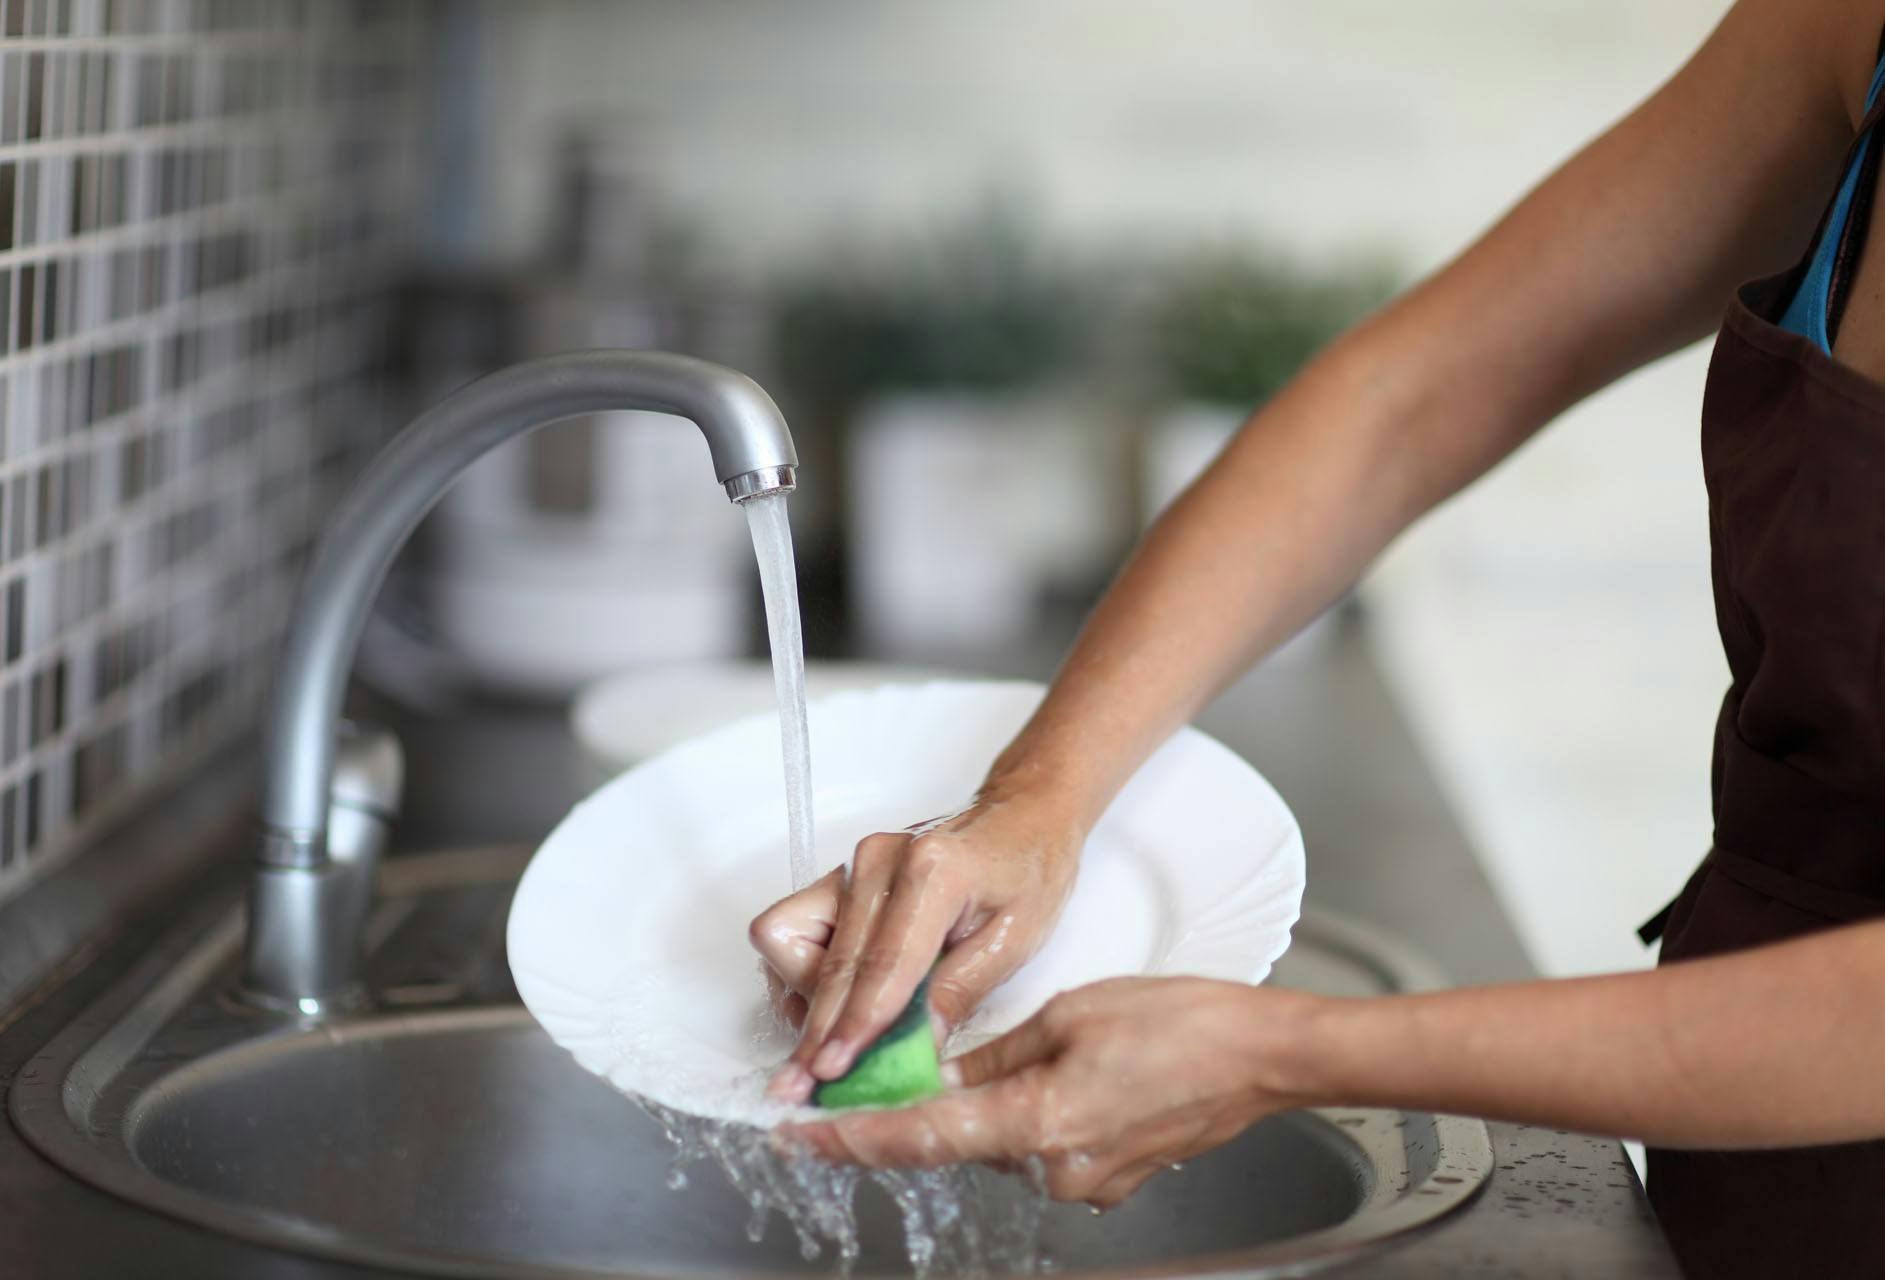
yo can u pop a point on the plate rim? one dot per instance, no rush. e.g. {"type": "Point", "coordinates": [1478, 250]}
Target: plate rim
{"type": "Point", "coordinates": [531, 981]}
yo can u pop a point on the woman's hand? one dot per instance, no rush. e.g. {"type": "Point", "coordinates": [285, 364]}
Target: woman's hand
{"type": "Point", "coordinates": [1107, 1085]}
{"type": "Point", "coordinates": [1775, 1046]}
{"type": "Point", "coordinates": [982, 889]}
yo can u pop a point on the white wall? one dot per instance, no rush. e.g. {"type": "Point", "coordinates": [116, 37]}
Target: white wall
{"type": "Point", "coordinates": [1550, 633]}
{"type": "Point", "coordinates": [1324, 123]}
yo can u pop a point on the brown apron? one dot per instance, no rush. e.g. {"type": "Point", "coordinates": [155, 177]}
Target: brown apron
{"type": "Point", "coordinates": [1793, 449]}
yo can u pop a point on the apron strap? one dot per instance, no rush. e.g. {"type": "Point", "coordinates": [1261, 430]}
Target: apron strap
{"type": "Point", "coordinates": [1651, 930]}
{"type": "Point", "coordinates": [1839, 905]}
{"type": "Point", "coordinates": [1835, 904]}
{"type": "Point", "coordinates": [1872, 117]}
{"type": "Point", "coordinates": [1858, 223]}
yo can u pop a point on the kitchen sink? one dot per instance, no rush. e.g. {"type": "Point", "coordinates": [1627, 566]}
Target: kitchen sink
{"type": "Point", "coordinates": [443, 1133]}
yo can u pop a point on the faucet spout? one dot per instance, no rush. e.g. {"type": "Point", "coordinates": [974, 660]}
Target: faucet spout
{"type": "Point", "coordinates": [752, 456]}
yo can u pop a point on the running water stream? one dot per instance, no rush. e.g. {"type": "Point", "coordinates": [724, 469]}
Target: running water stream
{"type": "Point", "coordinates": [962, 1220]}
{"type": "Point", "coordinates": [778, 581]}
{"type": "Point", "coordinates": [959, 1221]}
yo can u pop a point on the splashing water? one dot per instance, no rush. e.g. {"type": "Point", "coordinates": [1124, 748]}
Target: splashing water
{"type": "Point", "coordinates": [959, 1221]}
{"type": "Point", "coordinates": [778, 580]}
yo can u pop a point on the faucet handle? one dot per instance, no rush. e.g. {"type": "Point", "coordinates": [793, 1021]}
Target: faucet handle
{"type": "Point", "coordinates": [369, 772]}
{"type": "Point", "coordinates": [307, 924]}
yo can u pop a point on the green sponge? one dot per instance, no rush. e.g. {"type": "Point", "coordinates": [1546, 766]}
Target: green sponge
{"type": "Point", "coordinates": [900, 1066]}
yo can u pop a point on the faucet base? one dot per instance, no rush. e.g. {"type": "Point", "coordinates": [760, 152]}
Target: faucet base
{"type": "Point", "coordinates": [347, 1002]}
{"type": "Point", "coordinates": [304, 937]}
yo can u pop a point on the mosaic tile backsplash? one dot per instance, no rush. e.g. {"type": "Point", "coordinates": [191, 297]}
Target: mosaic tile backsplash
{"type": "Point", "coordinates": [203, 205]}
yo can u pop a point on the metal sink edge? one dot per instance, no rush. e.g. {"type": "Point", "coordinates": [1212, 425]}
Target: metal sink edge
{"type": "Point", "coordinates": [54, 1102]}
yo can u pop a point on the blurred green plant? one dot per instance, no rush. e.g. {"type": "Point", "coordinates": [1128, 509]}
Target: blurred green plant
{"type": "Point", "coordinates": [1232, 328]}
{"type": "Point", "coordinates": [975, 308]}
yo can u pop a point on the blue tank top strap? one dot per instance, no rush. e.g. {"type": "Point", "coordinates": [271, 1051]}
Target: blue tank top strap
{"type": "Point", "coordinates": [1809, 313]}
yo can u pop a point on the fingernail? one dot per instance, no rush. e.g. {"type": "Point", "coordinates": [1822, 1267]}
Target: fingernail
{"type": "Point", "coordinates": [831, 1061]}
{"type": "Point", "coordinates": [789, 1084]}
{"type": "Point", "coordinates": [952, 1074]}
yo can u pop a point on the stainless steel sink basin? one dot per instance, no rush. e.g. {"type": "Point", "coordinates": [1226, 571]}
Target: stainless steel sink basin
{"type": "Point", "coordinates": [445, 1134]}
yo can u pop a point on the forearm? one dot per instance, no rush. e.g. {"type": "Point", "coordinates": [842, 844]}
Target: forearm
{"type": "Point", "coordinates": [1778, 1046]}
{"type": "Point", "coordinates": [1371, 435]}
{"type": "Point", "coordinates": [1268, 537]}
{"type": "Point", "coordinates": [1626, 253]}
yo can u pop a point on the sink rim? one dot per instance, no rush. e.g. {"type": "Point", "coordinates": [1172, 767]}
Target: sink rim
{"type": "Point", "coordinates": [52, 1099]}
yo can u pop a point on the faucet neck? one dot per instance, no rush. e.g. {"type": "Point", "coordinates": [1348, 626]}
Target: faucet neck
{"type": "Point", "coordinates": [746, 435]}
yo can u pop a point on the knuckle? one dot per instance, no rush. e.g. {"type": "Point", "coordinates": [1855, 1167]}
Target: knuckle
{"type": "Point", "coordinates": [1058, 1014]}
{"type": "Point", "coordinates": [764, 926]}
{"type": "Point", "coordinates": [877, 848]}
{"type": "Point", "coordinates": [850, 1023]}
{"type": "Point", "coordinates": [930, 1146]}
{"type": "Point", "coordinates": [837, 971]}
{"type": "Point", "coordinates": [883, 951]}
{"type": "Point", "coordinates": [926, 856]}
{"type": "Point", "coordinates": [948, 997]}
{"type": "Point", "coordinates": [1059, 1183]}
{"type": "Point", "coordinates": [1038, 1129]}
{"type": "Point", "coordinates": [876, 971]}
{"type": "Point", "coordinates": [1070, 1182]}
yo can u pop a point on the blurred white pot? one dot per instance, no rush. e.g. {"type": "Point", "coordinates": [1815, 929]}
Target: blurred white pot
{"type": "Point", "coordinates": [963, 507]}
{"type": "Point", "coordinates": [636, 715]}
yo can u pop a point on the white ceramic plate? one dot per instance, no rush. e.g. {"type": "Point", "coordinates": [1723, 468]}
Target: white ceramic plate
{"type": "Point", "coordinates": [628, 934]}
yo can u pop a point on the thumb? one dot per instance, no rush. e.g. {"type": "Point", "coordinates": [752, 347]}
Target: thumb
{"type": "Point", "coordinates": [1026, 1045]}
{"type": "Point", "coordinates": [971, 969]}
{"type": "Point", "coordinates": [791, 935]}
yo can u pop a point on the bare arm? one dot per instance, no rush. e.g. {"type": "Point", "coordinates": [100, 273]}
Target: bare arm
{"type": "Point", "coordinates": [1777, 1046]}
{"type": "Point", "coordinates": [1626, 253]}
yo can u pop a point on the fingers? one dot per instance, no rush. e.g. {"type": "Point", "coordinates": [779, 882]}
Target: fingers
{"type": "Point", "coordinates": [1117, 1188]}
{"type": "Point", "coordinates": [995, 1124]}
{"type": "Point", "coordinates": [861, 905]}
{"type": "Point", "coordinates": [791, 935]}
{"type": "Point", "coordinates": [971, 969]}
{"type": "Point", "coordinates": [1025, 1046]}
{"type": "Point", "coordinates": [911, 929]}
{"type": "Point", "coordinates": [992, 1126]}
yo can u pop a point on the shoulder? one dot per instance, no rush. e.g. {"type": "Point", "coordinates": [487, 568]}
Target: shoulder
{"type": "Point", "coordinates": [1831, 46]}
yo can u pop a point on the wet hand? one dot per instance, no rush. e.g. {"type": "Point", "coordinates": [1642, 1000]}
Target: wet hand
{"type": "Point", "coordinates": [1106, 1086]}
{"type": "Point", "coordinates": [981, 889]}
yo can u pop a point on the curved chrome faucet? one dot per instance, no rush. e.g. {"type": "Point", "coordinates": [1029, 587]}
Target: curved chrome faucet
{"type": "Point", "coordinates": [306, 907]}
